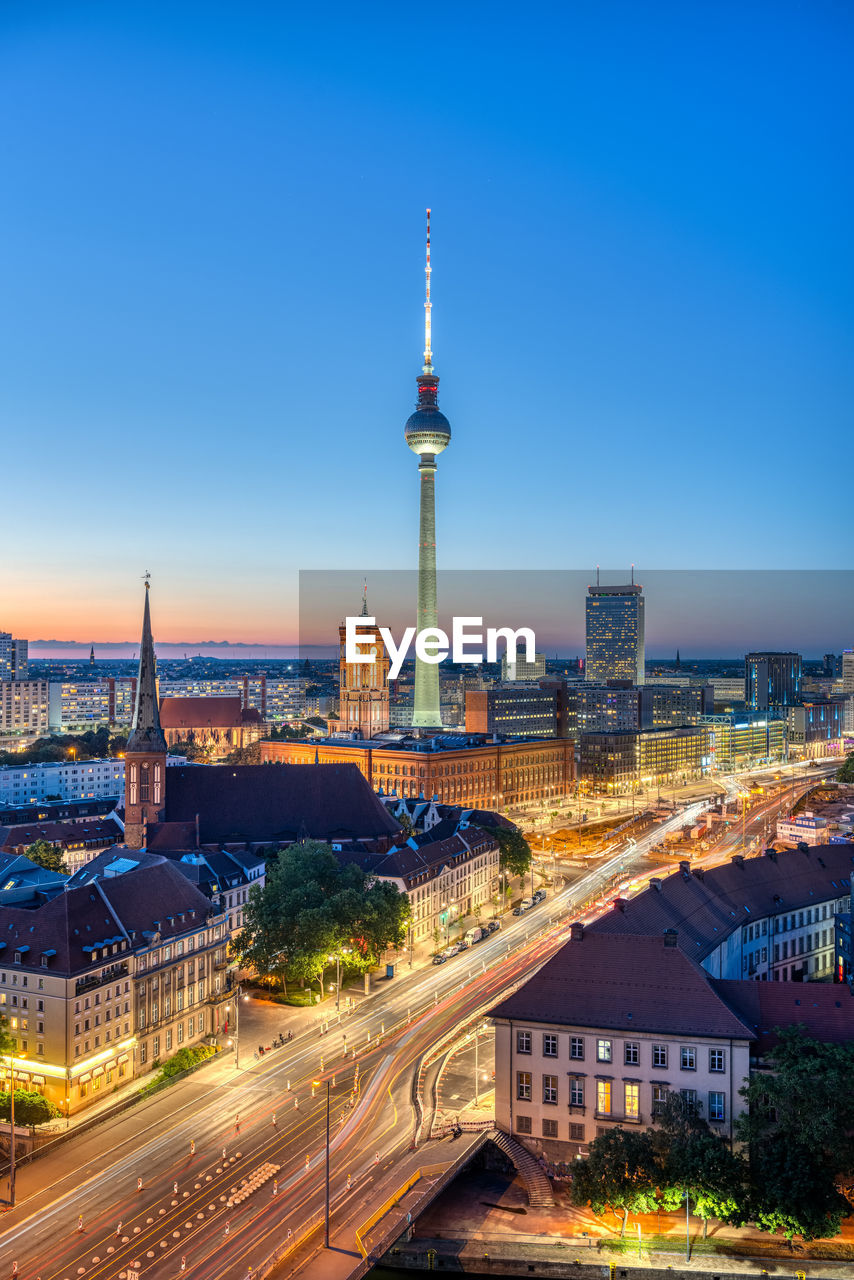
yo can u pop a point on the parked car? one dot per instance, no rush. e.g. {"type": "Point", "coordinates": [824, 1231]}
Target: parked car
{"type": "Point", "coordinates": [440, 958]}
{"type": "Point", "coordinates": [526, 904]}
{"type": "Point", "coordinates": [494, 925]}
{"type": "Point", "coordinates": [473, 936]}
{"type": "Point", "coordinates": [519, 911]}
{"type": "Point", "coordinates": [462, 945]}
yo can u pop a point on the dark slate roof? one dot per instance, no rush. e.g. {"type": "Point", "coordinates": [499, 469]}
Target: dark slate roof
{"type": "Point", "coordinates": [428, 856]}
{"type": "Point", "coordinates": [480, 817]}
{"type": "Point", "coordinates": [140, 902]}
{"type": "Point", "coordinates": [706, 906]}
{"type": "Point", "coordinates": [826, 1011]}
{"type": "Point", "coordinates": [171, 835]}
{"type": "Point", "coordinates": [276, 802]}
{"type": "Point", "coordinates": [56, 810]}
{"type": "Point", "coordinates": [95, 830]}
{"type": "Point", "coordinates": [624, 984]}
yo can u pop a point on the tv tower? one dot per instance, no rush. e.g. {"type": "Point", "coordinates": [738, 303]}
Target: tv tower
{"type": "Point", "coordinates": [427, 433]}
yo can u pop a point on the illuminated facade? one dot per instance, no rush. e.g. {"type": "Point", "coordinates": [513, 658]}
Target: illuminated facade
{"type": "Point", "coordinates": [363, 698]}
{"type": "Point", "coordinates": [24, 707]}
{"type": "Point", "coordinates": [615, 634]}
{"type": "Point", "coordinates": [471, 771]}
{"type": "Point", "coordinates": [740, 740]}
{"type": "Point", "coordinates": [772, 680]}
{"type": "Point", "coordinates": [615, 761]}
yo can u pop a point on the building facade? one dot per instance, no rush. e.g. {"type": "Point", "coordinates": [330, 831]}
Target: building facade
{"type": "Point", "coordinates": [217, 725]}
{"type": "Point", "coordinates": [63, 779]}
{"type": "Point", "coordinates": [816, 726]}
{"type": "Point", "coordinates": [363, 696]}
{"type": "Point", "coordinates": [98, 983]}
{"type": "Point", "coordinates": [515, 710]}
{"type": "Point", "coordinates": [522, 669]}
{"type": "Point", "coordinates": [615, 634]}
{"type": "Point", "coordinates": [14, 660]}
{"type": "Point", "coordinates": [772, 680]}
{"type": "Point", "coordinates": [78, 705]}
{"type": "Point", "coordinates": [742, 739]}
{"type": "Point", "coordinates": [612, 762]}
{"type": "Point", "coordinates": [466, 770]}
{"type": "Point", "coordinates": [24, 706]}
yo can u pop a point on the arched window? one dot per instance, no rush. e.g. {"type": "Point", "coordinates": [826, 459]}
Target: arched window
{"type": "Point", "coordinates": [144, 782]}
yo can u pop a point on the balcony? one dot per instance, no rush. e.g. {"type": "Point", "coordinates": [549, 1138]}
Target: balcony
{"type": "Point", "coordinates": [617, 1117]}
{"type": "Point", "coordinates": [93, 980]}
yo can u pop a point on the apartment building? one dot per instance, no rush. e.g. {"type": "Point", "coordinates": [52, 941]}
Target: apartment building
{"type": "Point", "coordinates": [61, 780]}
{"type": "Point", "coordinates": [99, 982]}
{"type": "Point", "coordinates": [24, 707]}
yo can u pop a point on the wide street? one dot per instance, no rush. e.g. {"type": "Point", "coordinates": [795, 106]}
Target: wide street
{"type": "Point", "coordinates": [232, 1160]}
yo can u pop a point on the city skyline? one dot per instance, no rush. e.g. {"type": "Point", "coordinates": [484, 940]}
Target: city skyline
{"type": "Point", "coordinates": [613, 298]}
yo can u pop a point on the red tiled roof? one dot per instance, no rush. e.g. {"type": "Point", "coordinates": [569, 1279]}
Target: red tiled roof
{"type": "Point", "coordinates": [826, 1011]}
{"type": "Point", "coordinates": [624, 984]}
{"type": "Point", "coordinates": [202, 713]}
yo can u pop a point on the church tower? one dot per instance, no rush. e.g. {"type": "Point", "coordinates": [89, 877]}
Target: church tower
{"type": "Point", "coordinates": [363, 689]}
{"type": "Point", "coordinates": [145, 756]}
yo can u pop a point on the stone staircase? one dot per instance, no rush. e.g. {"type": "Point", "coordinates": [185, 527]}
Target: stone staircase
{"type": "Point", "coordinates": [537, 1185]}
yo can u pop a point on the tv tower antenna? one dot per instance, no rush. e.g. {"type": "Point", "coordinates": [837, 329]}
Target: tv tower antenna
{"type": "Point", "coordinates": [428, 309]}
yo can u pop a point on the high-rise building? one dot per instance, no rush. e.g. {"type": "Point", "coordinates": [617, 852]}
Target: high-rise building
{"type": "Point", "coordinates": [14, 661]}
{"type": "Point", "coordinates": [515, 710]}
{"type": "Point", "coordinates": [24, 706]}
{"type": "Point", "coordinates": [848, 671]}
{"type": "Point", "coordinates": [427, 433]}
{"type": "Point", "coordinates": [145, 755]}
{"type": "Point", "coordinates": [522, 669]}
{"type": "Point", "coordinates": [615, 633]}
{"type": "Point", "coordinates": [363, 689]}
{"type": "Point", "coordinates": [772, 680]}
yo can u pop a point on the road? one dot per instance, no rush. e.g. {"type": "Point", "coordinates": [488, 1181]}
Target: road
{"type": "Point", "coordinates": [269, 1118]}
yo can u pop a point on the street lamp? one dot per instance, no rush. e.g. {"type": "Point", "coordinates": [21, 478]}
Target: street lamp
{"type": "Point", "coordinates": [315, 1084]}
{"type": "Point", "coordinates": [12, 1129]}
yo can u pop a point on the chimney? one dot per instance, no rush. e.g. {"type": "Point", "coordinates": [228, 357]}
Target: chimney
{"type": "Point", "coordinates": [685, 868]}
{"type": "Point", "coordinates": [576, 932]}
{"type": "Point", "coordinates": [197, 831]}
{"type": "Point", "coordinates": [670, 937]}
{"type": "Point", "coordinates": [737, 859]}
{"type": "Point", "coordinates": [655, 883]}
{"type": "Point", "coordinates": [772, 854]}
{"type": "Point", "coordinates": [620, 904]}
{"type": "Point", "coordinates": [699, 873]}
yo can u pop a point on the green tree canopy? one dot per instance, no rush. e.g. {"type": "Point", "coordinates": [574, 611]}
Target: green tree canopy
{"type": "Point", "coordinates": [620, 1173]}
{"type": "Point", "coordinates": [30, 1108]}
{"type": "Point", "coordinates": [46, 855]}
{"type": "Point", "coordinates": [515, 852]}
{"type": "Point", "coordinates": [845, 772]}
{"type": "Point", "coordinates": [313, 907]}
{"type": "Point", "coordinates": [694, 1159]}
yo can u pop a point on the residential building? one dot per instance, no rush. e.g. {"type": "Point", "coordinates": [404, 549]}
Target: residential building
{"type": "Point", "coordinates": [61, 779]}
{"type": "Point", "coordinates": [14, 663]}
{"type": "Point", "coordinates": [216, 725]}
{"type": "Point", "coordinates": [100, 982]}
{"type": "Point", "coordinates": [772, 680]}
{"type": "Point", "coordinates": [769, 917]}
{"type": "Point", "coordinates": [848, 671]}
{"type": "Point", "coordinates": [522, 669]}
{"type": "Point", "coordinates": [603, 1032]}
{"type": "Point", "coordinates": [12, 815]}
{"type": "Point", "coordinates": [803, 827]}
{"type": "Point", "coordinates": [467, 769]}
{"type": "Point", "coordinates": [449, 873]}
{"type": "Point", "coordinates": [78, 842]}
{"type": "Point", "coordinates": [514, 710]}
{"type": "Point", "coordinates": [78, 705]}
{"type": "Point", "coordinates": [24, 707]}
{"type": "Point", "coordinates": [615, 634]}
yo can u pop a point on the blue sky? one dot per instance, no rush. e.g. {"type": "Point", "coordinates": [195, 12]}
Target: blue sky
{"type": "Point", "coordinates": [211, 314]}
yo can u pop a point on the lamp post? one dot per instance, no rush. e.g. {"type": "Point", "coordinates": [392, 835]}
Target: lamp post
{"type": "Point", "coordinates": [315, 1083]}
{"type": "Point", "coordinates": [12, 1130]}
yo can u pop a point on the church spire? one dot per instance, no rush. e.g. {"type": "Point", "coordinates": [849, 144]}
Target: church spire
{"type": "Point", "coordinates": [146, 732]}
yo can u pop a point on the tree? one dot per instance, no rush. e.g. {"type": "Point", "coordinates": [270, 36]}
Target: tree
{"type": "Point", "coordinates": [515, 852]}
{"type": "Point", "coordinates": [313, 907]}
{"type": "Point", "coordinates": [619, 1173]}
{"type": "Point", "coordinates": [793, 1191]}
{"type": "Point", "coordinates": [245, 755]}
{"type": "Point", "coordinates": [193, 751]}
{"type": "Point", "coordinates": [46, 855]}
{"type": "Point", "coordinates": [695, 1160]}
{"type": "Point", "coordinates": [8, 1043]}
{"type": "Point", "coordinates": [845, 772]}
{"type": "Point", "coordinates": [31, 1108]}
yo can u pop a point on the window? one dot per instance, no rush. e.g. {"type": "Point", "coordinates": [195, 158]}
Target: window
{"type": "Point", "coordinates": [659, 1098]}
{"type": "Point", "coordinates": [576, 1133]}
{"type": "Point", "coordinates": [523, 1124]}
{"type": "Point", "coordinates": [631, 1054]}
{"type": "Point", "coordinates": [689, 1099]}
{"type": "Point", "coordinates": [550, 1089]}
{"type": "Point", "coordinates": [603, 1050]}
{"type": "Point", "coordinates": [576, 1093]}
{"type": "Point", "coordinates": [659, 1055]}
{"type": "Point", "coordinates": [523, 1086]}
{"type": "Point", "coordinates": [550, 1128]}
{"type": "Point", "coordinates": [576, 1047]}
{"type": "Point", "coordinates": [716, 1060]}
{"type": "Point", "coordinates": [603, 1097]}
{"type": "Point", "coordinates": [717, 1106]}
{"type": "Point", "coordinates": [523, 1042]}
{"type": "Point", "coordinates": [688, 1058]}
{"type": "Point", "coordinates": [549, 1046]}
{"type": "Point", "coordinates": [632, 1108]}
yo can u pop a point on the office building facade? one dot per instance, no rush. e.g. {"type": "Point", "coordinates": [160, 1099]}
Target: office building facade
{"type": "Point", "coordinates": [517, 711]}
{"type": "Point", "coordinates": [615, 634]}
{"type": "Point", "coordinates": [14, 660]}
{"type": "Point", "coordinates": [772, 680]}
